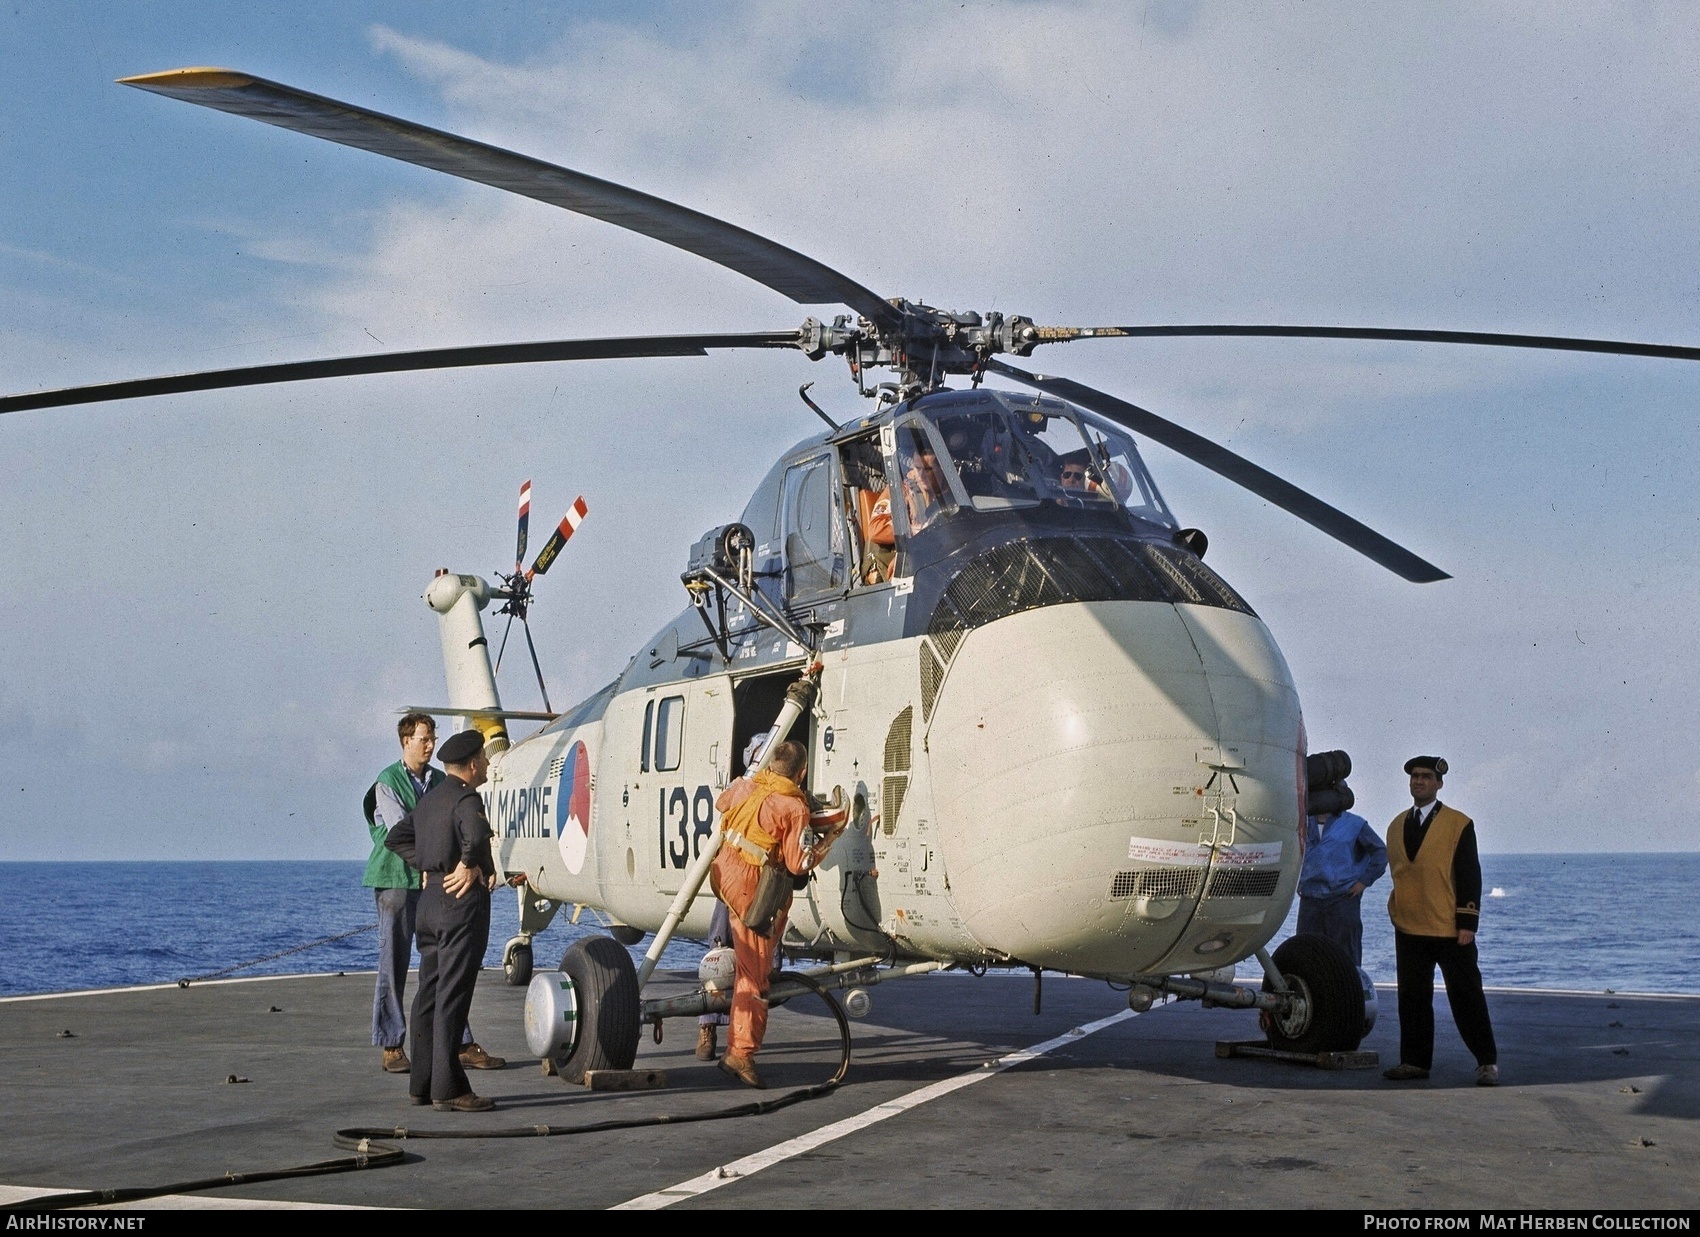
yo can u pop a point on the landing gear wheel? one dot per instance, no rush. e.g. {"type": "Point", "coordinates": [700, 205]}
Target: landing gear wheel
{"type": "Point", "coordinates": [1330, 1017]}
{"type": "Point", "coordinates": [609, 1017]}
{"type": "Point", "coordinates": [516, 963]}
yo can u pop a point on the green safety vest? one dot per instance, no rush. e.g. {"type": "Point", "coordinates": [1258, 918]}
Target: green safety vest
{"type": "Point", "coordinates": [386, 869]}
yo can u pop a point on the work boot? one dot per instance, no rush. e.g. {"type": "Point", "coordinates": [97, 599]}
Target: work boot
{"type": "Point", "coordinates": [474, 1057]}
{"type": "Point", "coordinates": [468, 1102]}
{"type": "Point", "coordinates": [395, 1061]}
{"type": "Point", "coordinates": [1405, 1073]}
{"type": "Point", "coordinates": [1487, 1075]}
{"type": "Point", "coordinates": [705, 1043]}
{"type": "Point", "coordinates": [743, 1069]}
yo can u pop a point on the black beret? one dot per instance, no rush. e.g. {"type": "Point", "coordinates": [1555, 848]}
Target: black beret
{"type": "Point", "coordinates": [1437, 763]}
{"type": "Point", "coordinates": [461, 748]}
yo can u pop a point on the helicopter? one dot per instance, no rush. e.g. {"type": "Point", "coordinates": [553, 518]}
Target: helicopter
{"type": "Point", "coordinates": [1062, 740]}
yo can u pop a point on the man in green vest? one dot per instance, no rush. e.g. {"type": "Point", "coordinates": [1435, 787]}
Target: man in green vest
{"type": "Point", "coordinates": [1435, 907]}
{"type": "Point", "coordinates": [396, 888]}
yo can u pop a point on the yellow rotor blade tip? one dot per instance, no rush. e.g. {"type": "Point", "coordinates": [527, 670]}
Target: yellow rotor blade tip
{"type": "Point", "coordinates": [198, 78]}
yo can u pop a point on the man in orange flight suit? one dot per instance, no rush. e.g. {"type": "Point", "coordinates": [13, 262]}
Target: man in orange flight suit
{"type": "Point", "coordinates": [764, 817]}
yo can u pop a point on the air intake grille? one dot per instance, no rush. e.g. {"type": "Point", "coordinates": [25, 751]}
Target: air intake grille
{"type": "Point", "coordinates": [947, 642]}
{"type": "Point", "coordinates": [1050, 571]}
{"type": "Point", "coordinates": [898, 758]}
{"type": "Point", "coordinates": [1156, 883]}
{"type": "Point", "coordinates": [931, 675]}
{"type": "Point", "coordinates": [897, 741]}
{"type": "Point", "coordinates": [892, 803]}
{"type": "Point", "coordinates": [1235, 883]}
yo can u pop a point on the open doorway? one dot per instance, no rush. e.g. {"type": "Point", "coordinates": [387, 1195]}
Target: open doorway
{"type": "Point", "coordinates": [756, 702]}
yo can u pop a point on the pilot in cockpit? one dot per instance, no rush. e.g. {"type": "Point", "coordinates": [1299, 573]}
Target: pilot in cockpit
{"type": "Point", "coordinates": [924, 487]}
{"type": "Point", "coordinates": [1071, 474]}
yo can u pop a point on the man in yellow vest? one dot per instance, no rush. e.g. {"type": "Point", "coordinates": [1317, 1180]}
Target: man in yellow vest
{"type": "Point", "coordinates": [1435, 907]}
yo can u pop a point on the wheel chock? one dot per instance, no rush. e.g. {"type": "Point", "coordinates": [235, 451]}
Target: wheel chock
{"type": "Point", "coordinates": [625, 1079]}
{"type": "Point", "coordinates": [1319, 1060]}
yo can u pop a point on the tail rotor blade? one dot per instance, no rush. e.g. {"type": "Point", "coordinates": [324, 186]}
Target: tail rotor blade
{"type": "Point", "coordinates": [1236, 468]}
{"type": "Point", "coordinates": [524, 525]}
{"type": "Point", "coordinates": [563, 531]}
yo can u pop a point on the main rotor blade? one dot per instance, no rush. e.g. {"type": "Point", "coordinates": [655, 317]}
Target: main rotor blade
{"type": "Point", "coordinates": [1238, 469]}
{"type": "Point", "coordinates": [784, 270]}
{"type": "Point", "coordinates": [401, 362]}
{"type": "Point", "coordinates": [1489, 339]}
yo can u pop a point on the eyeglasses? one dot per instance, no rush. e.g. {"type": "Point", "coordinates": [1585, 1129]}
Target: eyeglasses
{"type": "Point", "coordinates": [1074, 474]}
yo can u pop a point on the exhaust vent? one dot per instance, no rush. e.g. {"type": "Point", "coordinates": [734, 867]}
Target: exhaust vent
{"type": "Point", "coordinates": [1177, 883]}
{"type": "Point", "coordinates": [1235, 883]}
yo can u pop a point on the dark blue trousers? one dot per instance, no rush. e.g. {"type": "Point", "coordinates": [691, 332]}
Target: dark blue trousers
{"type": "Point", "coordinates": [1417, 957]}
{"type": "Point", "coordinates": [1340, 919]}
{"type": "Point", "coordinates": [453, 934]}
{"type": "Point", "coordinates": [398, 911]}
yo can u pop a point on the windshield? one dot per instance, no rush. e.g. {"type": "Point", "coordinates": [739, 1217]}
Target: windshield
{"type": "Point", "coordinates": [1001, 460]}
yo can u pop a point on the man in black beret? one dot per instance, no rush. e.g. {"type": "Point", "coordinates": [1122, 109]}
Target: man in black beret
{"type": "Point", "coordinates": [447, 838]}
{"type": "Point", "coordinates": [1435, 907]}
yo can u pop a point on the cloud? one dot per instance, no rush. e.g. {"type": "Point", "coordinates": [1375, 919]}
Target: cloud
{"type": "Point", "coordinates": [245, 568]}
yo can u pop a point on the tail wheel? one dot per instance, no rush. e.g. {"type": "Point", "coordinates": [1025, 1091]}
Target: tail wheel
{"type": "Point", "coordinates": [605, 988]}
{"type": "Point", "coordinates": [1329, 1016]}
{"type": "Point", "coordinates": [516, 964]}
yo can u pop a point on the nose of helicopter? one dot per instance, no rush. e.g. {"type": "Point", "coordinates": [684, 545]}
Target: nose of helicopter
{"type": "Point", "coordinates": [1095, 751]}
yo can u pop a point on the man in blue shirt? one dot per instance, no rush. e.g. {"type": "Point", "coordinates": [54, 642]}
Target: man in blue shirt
{"type": "Point", "coordinates": [1343, 857]}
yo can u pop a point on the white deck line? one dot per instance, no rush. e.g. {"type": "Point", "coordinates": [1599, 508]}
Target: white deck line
{"type": "Point", "coordinates": [199, 983]}
{"type": "Point", "coordinates": [726, 1174]}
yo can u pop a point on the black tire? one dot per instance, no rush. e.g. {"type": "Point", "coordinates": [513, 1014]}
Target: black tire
{"type": "Point", "coordinates": [516, 966]}
{"type": "Point", "coordinates": [1322, 972]}
{"type": "Point", "coordinates": [609, 1017]}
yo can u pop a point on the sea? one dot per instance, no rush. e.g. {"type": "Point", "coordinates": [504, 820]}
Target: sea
{"type": "Point", "coordinates": [1617, 922]}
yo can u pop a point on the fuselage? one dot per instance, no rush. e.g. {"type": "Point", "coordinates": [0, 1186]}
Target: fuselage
{"type": "Point", "coordinates": [1067, 742]}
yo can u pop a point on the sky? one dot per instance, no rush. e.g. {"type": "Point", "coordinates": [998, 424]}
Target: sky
{"type": "Point", "coordinates": [212, 603]}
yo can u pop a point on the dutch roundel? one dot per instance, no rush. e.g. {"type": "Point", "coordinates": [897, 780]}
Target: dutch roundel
{"type": "Point", "coordinates": [572, 808]}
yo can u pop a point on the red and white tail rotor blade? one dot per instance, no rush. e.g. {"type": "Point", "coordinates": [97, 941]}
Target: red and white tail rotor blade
{"type": "Point", "coordinates": [524, 525]}
{"type": "Point", "coordinates": [563, 531]}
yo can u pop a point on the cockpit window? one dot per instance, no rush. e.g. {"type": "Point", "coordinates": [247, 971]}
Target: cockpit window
{"type": "Point", "coordinates": [1001, 460]}
{"type": "Point", "coordinates": [927, 492]}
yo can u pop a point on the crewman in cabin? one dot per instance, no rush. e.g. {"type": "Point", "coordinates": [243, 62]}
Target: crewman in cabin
{"type": "Point", "coordinates": [769, 843]}
{"type": "Point", "coordinates": [879, 542]}
{"type": "Point", "coordinates": [447, 838]}
{"type": "Point", "coordinates": [1435, 907]}
{"type": "Point", "coordinates": [395, 888]}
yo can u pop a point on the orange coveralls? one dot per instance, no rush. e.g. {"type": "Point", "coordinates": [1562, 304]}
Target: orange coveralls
{"type": "Point", "coordinates": [784, 814]}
